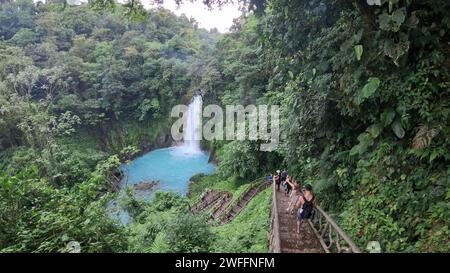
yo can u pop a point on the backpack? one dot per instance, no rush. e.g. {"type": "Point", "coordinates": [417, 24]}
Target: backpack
{"type": "Point", "coordinates": [308, 208]}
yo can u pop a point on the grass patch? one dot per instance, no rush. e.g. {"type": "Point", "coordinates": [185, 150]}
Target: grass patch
{"type": "Point", "coordinates": [248, 232]}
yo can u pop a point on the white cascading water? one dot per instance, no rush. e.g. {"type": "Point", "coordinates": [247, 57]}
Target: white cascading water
{"type": "Point", "coordinates": [192, 133]}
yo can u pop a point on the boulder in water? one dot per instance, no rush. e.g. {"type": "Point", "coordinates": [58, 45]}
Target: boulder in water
{"type": "Point", "coordinates": [145, 186]}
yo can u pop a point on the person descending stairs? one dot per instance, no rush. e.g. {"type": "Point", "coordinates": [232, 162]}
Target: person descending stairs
{"type": "Point", "coordinates": [299, 225]}
{"type": "Point", "coordinates": [292, 240]}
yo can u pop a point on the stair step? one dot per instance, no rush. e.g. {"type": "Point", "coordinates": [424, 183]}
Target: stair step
{"type": "Point", "coordinates": [287, 229]}
{"type": "Point", "coordinates": [304, 250]}
{"type": "Point", "coordinates": [291, 241]}
{"type": "Point", "coordinates": [290, 235]}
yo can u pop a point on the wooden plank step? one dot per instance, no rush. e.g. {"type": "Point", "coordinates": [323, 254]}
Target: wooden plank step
{"type": "Point", "coordinates": [304, 250]}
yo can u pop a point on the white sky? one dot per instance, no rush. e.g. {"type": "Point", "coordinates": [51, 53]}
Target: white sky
{"type": "Point", "coordinates": [220, 18]}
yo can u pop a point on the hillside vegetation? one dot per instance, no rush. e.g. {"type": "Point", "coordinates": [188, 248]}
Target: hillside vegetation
{"type": "Point", "coordinates": [363, 88]}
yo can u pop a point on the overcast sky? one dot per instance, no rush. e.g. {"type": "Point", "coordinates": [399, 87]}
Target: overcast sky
{"type": "Point", "coordinates": [220, 18]}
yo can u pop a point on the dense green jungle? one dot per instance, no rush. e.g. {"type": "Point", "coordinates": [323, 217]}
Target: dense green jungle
{"type": "Point", "coordinates": [363, 89]}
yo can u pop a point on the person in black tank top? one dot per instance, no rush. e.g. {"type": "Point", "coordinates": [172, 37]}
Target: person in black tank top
{"type": "Point", "coordinates": [306, 205]}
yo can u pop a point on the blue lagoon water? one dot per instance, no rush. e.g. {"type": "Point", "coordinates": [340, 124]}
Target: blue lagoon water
{"type": "Point", "coordinates": [172, 167]}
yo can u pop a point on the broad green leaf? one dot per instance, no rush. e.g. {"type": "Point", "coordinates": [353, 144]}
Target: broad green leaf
{"type": "Point", "coordinates": [398, 17]}
{"type": "Point", "coordinates": [358, 35]}
{"type": "Point", "coordinates": [370, 87]}
{"type": "Point", "coordinates": [365, 140]}
{"type": "Point", "coordinates": [291, 75]}
{"type": "Point", "coordinates": [433, 155]}
{"type": "Point", "coordinates": [359, 51]}
{"type": "Point", "coordinates": [375, 130]}
{"type": "Point", "coordinates": [387, 117]}
{"type": "Point", "coordinates": [367, 91]}
{"type": "Point", "coordinates": [384, 21]}
{"type": "Point", "coordinates": [392, 22]}
{"type": "Point", "coordinates": [358, 100]}
{"type": "Point", "coordinates": [355, 150]}
{"type": "Point", "coordinates": [398, 128]}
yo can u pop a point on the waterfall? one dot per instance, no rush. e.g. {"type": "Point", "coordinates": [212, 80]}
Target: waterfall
{"type": "Point", "coordinates": [192, 134]}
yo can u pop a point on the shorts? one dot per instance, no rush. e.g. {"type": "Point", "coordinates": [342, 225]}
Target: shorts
{"type": "Point", "coordinates": [299, 214]}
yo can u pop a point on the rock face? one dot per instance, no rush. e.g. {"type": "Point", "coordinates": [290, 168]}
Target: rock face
{"type": "Point", "coordinates": [145, 146]}
{"type": "Point", "coordinates": [212, 157]}
{"type": "Point", "coordinates": [164, 140]}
